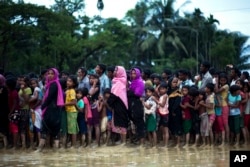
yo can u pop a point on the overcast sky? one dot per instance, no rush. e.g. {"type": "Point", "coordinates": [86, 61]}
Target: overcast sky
{"type": "Point", "coordinates": [232, 14]}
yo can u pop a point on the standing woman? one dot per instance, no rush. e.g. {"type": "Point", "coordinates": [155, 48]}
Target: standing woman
{"type": "Point", "coordinates": [51, 108]}
{"type": "Point", "coordinates": [136, 109]}
{"type": "Point", "coordinates": [118, 101]}
{"type": "Point", "coordinates": [4, 111]}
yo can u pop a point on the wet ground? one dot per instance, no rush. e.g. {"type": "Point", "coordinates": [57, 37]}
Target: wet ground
{"type": "Point", "coordinates": [120, 156]}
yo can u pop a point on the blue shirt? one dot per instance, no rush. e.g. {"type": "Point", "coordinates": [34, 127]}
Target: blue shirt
{"type": "Point", "coordinates": [104, 83]}
{"type": "Point", "coordinates": [234, 100]}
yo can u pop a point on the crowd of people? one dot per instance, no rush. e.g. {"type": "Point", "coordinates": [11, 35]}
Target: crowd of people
{"type": "Point", "coordinates": [115, 105]}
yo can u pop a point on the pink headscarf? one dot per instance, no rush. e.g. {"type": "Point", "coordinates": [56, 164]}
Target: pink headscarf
{"type": "Point", "coordinates": [2, 80]}
{"type": "Point", "coordinates": [48, 82]}
{"type": "Point", "coordinates": [119, 84]}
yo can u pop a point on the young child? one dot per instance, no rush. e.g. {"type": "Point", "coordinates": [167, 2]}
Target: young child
{"type": "Point", "coordinates": [234, 99]}
{"type": "Point", "coordinates": [109, 117]}
{"type": "Point", "coordinates": [204, 125]}
{"type": "Point", "coordinates": [243, 103]}
{"type": "Point", "coordinates": [195, 130]}
{"type": "Point", "coordinates": [150, 113]}
{"type": "Point", "coordinates": [209, 105]}
{"type": "Point", "coordinates": [103, 118]}
{"type": "Point", "coordinates": [81, 116]}
{"type": "Point", "coordinates": [24, 96]}
{"type": "Point", "coordinates": [94, 119]}
{"type": "Point", "coordinates": [162, 104]}
{"type": "Point", "coordinates": [222, 88]}
{"type": "Point", "coordinates": [71, 110]}
{"type": "Point", "coordinates": [186, 114]}
{"type": "Point", "coordinates": [35, 107]}
{"type": "Point", "coordinates": [218, 124]}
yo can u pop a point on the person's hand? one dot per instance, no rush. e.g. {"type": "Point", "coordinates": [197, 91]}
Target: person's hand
{"type": "Point", "coordinates": [22, 86]}
{"type": "Point", "coordinates": [201, 102]}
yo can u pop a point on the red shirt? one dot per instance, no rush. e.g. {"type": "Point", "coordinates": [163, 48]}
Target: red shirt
{"type": "Point", "coordinates": [12, 97]}
{"type": "Point", "coordinates": [186, 111]}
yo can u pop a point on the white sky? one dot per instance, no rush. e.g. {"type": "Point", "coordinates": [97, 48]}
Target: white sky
{"type": "Point", "coordinates": [232, 14]}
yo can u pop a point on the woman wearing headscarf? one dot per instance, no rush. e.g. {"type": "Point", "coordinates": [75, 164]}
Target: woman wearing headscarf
{"type": "Point", "coordinates": [136, 110]}
{"type": "Point", "coordinates": [118, 101]}
{"type": "Point", "coordinates": [175, 111]}
{"type": "Point", "coordinates": [4, 110]}
{"type": "Point", "coordinates": [51, 108]}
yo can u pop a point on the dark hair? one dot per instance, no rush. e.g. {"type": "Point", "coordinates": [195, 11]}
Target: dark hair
{"type": "Point", "coordinates": [242, 82]}
{"type": "Point", "coordinates": [167, 71]}
{"type": "Point", "coordinates": [157, 76]}
{"type": "Point", "coordinates": [44, 71]}
{"type": "Point", "coordinates": [234, 88]}
{"type": "Point", "coordinates": [85, 92]}
{"type": "Point", "coordinates": [210, 86]}
{"type": "Point", "coordinates": [203, 93]}
{"type": "Point", "coordinates": [102, 67]}
{"type": "Point", "coordinates": [184, 72]}
{"type": "Point", "coordinates": [237, 71]}
{"type": "Point", "coordinates": [64, 72]}
{"type": "Point", "coordinates": [11, 83]}
{"type": "Point", "coordinates": [246, 74]}
{"type": "Point", "coordinates": [107, 91]}
{"type": "Point", "coordinates": [150, 88]}
{"type": "Point", "coordinates": [34, 79]}
{"type": "Point", "coordinates": [185, 87]}
{"type": "Point", "coordinates": [74, 80]}
{"type": "Point", "coordinates": [223, 75]}
{"type": "Point", "coordinates": [163, 85]}
{"type": "Point", "coordinates": [63, 83]}
{"type": "Point", "coordinates": [79, 90]}
{"type": "Point", "coordinates": [193, 91]}
{"type": "Point", "coordinates": [83, 70]}
{"type": "Point", "coordinates": [206, 64]}
{"type": "Point", "coordinates": [111, 68]}
{"type": "Point", "coordinates": [147, 72]}
{"type": "Point", "coordinates": [152, 76]}
{"type": "Point", "coordinates": [212, 71]}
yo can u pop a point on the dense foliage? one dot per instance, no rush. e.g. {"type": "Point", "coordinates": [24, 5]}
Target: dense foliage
{"type": "Point", "coordinates": [153, 35]}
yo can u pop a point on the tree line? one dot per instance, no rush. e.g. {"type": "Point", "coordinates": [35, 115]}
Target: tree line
{"type": "Point", "coordinates": [152, 35]}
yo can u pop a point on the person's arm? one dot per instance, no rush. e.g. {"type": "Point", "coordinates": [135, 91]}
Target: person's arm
{"type": "Point", "coordinates": [94, 88]}
{"type": "Point", "coordinates": [80, 107]}
{"type": "Point", "coordinates": [164, 101]}
{"type": "Point", "coordinates": [73, 100]}
{"type": "Point", "coordinates": [99, 105]}
{"type": "Point", "coordinates": [207, 105]}
{"type": "Point", "coordinates": [186, 105]}
{"type": "Point", "coordinates": [146, 105]}
{"type": "Point", "coordinates": [34, 97]}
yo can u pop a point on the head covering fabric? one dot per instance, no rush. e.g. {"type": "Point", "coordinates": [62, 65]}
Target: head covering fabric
{"type": "Point", "coordinates": [48, 82]}
{"type": "Point", "coordinates": [119, 85]}
{"type": "Point", "coordinates": [137, 85]}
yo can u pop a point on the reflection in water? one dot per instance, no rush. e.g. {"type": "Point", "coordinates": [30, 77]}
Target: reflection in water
{"type": "Point", "coordinates": [118, 156]}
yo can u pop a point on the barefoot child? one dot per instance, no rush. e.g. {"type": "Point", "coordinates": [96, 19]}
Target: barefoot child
{"type": "Point", "coordinates": [71, 110]}
{"type": "Point", "coordinates": [150, 113]}
{"type": "Point", "coordinates": [218, 124]}
{"type": "Point", "coordinates": [234, 99]}
{"type": "Point", "coordinates": [163, 112]}
{"type": "Point", "coordinates": [81, 116]}
{"type": "Point", "coordinates": [186, 114]}
{"type": "Point", "coordinates": [204, 125]}
{"type": "Point", "coordinates": [209, 105]}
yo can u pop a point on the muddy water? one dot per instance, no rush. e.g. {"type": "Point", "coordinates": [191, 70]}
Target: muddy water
{"type": "Point", "coordinates": [117, 156]}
